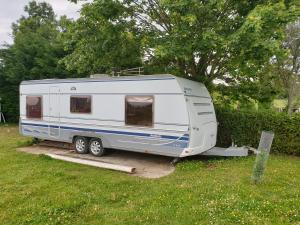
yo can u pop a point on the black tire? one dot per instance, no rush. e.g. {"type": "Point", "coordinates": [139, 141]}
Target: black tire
{"type": "Point", "coordinates": [81, 145]}
{"type": "Point", "coordinates": [96, 147]}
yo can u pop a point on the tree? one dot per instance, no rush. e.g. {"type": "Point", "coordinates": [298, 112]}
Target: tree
{"type": "Point", "coordinates": [102, 38]}
{"type": "Point", "coordinates": [213, 39]}
{"type": "Point", "coordinates": [35, 53]}
{"type": "Point", "coordinates": [287, 64]}
{"type": "Point", "coordinates": [250, 92]}
{"type": "Point", "coordinates": [201, 40]}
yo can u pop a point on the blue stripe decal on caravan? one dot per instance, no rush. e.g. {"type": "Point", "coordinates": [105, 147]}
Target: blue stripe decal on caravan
{"type": "Point", "coordinates": [185, 137]}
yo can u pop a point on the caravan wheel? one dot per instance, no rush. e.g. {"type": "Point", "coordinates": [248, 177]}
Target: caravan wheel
{"type": "Point", "coordinates": [96, 147]}
{"type": "Point", "coordinates": [81, 145]}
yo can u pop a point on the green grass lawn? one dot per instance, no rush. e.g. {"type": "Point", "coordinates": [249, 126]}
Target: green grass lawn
{"type": "Point", "coordinates": [39, 190]}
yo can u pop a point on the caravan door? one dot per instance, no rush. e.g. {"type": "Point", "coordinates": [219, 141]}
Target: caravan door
{"type": "Point", "coordinates": [54, 112]}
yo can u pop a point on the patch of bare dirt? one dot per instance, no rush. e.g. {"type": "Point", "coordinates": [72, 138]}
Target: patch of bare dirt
{"type": "Point", "coordinates": [148, 166]}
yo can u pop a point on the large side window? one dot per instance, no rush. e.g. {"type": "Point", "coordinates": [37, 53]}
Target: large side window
{"type": "Point", "coordinates": [139, 110]}
{"type": "Point", "coordinates": [80, 104]}
{"type": "Point", "coordinates": [34, 107]}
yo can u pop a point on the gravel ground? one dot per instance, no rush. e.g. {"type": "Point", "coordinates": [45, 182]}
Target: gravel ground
{"type": "Point", "coordinates": [148, 166]}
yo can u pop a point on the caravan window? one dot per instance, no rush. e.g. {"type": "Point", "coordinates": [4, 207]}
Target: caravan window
{"type": "Point", "coordinates": [34, 107]}
{"type": "Point", "coordinates": [139, 110]}
{"type": "Point", "coordinates": [80, 104]}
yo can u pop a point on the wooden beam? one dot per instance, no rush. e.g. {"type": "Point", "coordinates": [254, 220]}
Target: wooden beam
{"type": "Point", "coordinates": [126, 169]}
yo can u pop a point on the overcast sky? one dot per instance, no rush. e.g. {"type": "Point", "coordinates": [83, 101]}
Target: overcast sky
{"type": "Point", "coordinates": [11, 10]}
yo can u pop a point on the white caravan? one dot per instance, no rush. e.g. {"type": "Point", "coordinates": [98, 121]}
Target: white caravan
{"type": "Point", "coordinates": [158, 114]}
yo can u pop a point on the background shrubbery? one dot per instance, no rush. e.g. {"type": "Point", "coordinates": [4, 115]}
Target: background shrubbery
{"type": "Point", "coordinates": [245, 127]}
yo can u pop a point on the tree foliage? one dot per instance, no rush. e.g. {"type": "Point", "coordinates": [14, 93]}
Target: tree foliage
{"type": "Point", "coordinates": [102, 38]}
{"type": "Point", "coordinates": [202, 40]}
{"type": "Point", "coordinates": [34, 54]}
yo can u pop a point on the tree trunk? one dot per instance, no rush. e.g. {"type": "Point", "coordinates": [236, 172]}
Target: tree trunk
{"type": "Point", "coordinates": [290, 103]}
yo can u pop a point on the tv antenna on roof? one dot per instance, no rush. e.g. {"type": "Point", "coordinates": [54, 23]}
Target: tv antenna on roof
{"type": "Point", "coordinates": [1, 113]}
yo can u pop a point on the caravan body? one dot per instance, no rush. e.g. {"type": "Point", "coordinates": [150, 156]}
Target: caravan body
{"type": "Point", "coordinates": [157, 114]}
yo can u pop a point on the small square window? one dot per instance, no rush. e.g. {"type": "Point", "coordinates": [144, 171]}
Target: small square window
{"type": "Point", "coordinates": [80, 104]}
{"type": "Point", "coordinates": [34, 107]}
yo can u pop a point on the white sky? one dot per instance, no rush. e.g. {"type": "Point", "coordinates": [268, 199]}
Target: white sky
{"type": "Point", "coordinates": [11, 11]}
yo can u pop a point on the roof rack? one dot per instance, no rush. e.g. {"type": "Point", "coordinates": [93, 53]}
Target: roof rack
{"type": "Point", "coordinates": [129, 72]}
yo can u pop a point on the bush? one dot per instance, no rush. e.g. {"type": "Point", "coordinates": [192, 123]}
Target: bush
{"type": "Point", "coordinates": [245, 127]}
{"type": "Point", "coordinates": [10, 102]}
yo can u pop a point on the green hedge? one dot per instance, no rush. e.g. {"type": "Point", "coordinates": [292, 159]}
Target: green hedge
{"type": "Point", "coordinates": [245, 127]}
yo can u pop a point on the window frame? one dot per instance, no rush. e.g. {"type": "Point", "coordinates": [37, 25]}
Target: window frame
{"type": "Point", "coordinates": [153, 110]}
{"type": "Point", "coordinates": [42, 109]}
{"type": "Point", "coordinates": [78, 96]}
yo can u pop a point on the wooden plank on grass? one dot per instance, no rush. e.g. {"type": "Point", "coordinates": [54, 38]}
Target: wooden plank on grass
{"type": "Point", "coordinates": [110, 166]}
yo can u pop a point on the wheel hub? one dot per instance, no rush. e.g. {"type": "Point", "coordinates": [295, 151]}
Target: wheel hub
{"type": "Point", "coordinates": [80, 145]}
{"type": "Point", "coordinates": [95, 147]}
